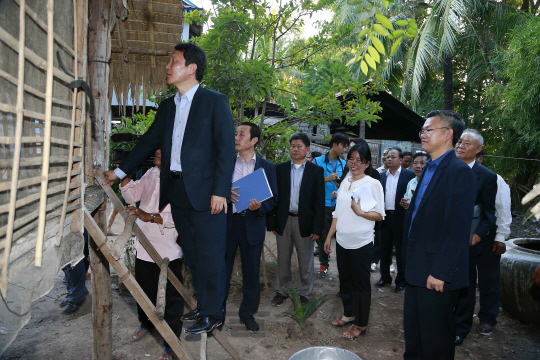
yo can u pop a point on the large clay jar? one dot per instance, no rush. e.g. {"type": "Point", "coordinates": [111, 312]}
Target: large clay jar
{"type": "Point", "coordinates": [517, 264]}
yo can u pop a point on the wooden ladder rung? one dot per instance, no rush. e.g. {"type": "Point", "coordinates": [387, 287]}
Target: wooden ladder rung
{"type": "Point", "coordinates": [121, 241]}
{"type": "Point", "coordinates": [162, 287]}
{"type": "Point", "coordinates": [134, 288]}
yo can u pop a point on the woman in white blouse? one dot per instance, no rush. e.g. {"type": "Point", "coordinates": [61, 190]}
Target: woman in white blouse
{"type": "Point", "coordinates": [354, 229]}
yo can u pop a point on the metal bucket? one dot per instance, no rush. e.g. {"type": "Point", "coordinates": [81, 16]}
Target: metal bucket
{"type": "Point", "coordinates": [324, 353]}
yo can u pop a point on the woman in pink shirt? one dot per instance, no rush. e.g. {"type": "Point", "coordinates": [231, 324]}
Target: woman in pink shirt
{"type": "Point", "coordinates": [160, 231]}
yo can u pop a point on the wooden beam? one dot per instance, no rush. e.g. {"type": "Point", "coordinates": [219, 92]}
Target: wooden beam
{"type": "Point", "coordinates": [162, 289]}
{"type": "Point", "coordinates": [140, 51]}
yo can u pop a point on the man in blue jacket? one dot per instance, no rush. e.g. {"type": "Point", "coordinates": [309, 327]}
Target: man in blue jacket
{"type": "Point", "coordinates": [333, 167]}
{"type": "Point", "coordinates": [436, 241]}
{"type": "Point", "coordinates": [247, 229]}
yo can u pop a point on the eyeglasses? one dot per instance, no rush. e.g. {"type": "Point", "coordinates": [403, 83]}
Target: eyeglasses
{"type": "Point", "coordinates": [353, 162]}
{"type": "Point", "coordinates": [428, 131]}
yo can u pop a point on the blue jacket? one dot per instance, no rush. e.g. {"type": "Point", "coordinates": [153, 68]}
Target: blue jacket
{"type": "Point", "coordinates": [329, 187]}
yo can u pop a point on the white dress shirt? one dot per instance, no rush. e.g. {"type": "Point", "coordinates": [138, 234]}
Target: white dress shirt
{"type": "Point", "coordinates": [183, 105]}
{"type": "Point", "coordinates": [297, 173]}
{"type": "Point", "coordinates": [241, 169]}
{"type": "Point", "coordinates": [391, 188]}
{"type": "Point", "coordinates": [502, 210]}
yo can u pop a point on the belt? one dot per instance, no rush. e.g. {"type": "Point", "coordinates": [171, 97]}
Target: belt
{"type": "Point", "coordinates": [390, 211]}
{"type": "Point", "coordinates": [176, 174]}
{"type": "Point", "coordinates": [293, 214]}
{"type": "Point", "coordinates": [241, 213]}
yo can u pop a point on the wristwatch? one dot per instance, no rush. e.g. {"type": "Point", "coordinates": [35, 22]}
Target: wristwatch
{"type": "Point", "coordinates": [153, 217]}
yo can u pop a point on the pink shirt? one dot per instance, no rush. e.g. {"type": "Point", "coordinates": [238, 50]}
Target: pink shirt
{"type": "Point", "coordinates": [242, 169]}
{"type": "Point", "coordinates": [162, 236]}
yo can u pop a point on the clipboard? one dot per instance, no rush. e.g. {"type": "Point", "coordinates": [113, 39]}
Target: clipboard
{"type": "Point", "coordinates": [253, 186]}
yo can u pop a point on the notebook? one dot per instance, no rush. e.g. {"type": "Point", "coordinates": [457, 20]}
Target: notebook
{"type": "Point", "coordinates": [252, 186]}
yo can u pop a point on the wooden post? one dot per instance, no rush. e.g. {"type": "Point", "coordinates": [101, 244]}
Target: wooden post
{"type": "Point", "coordinates": [98, 77]}
{"type": "Point", "coordinates": [162, 289]}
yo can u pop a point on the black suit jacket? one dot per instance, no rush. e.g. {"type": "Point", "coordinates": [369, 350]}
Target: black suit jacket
{"type": "Point", "coordinates": [404, 177]}
{"type": "Point", "coordinates": [256, 220]}
{"type": "Point", "coordinates": [486, 190]}
{"type": "Point", "coordinates": [310, 204]}
{"type": "Point", "coordinates": [438, 242]}
{"type": "Point", "coordinates": [207, 149]}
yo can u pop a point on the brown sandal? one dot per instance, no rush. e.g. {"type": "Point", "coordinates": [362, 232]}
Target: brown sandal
{"type": "Point", "coordinates": [138, 334]}
{"type": "Point", "coordinates": [342, 321]}
{"type": "Point", "coordinates": [354, 332]}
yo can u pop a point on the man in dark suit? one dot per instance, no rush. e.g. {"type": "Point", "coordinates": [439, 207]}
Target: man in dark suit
{"type": "Point", "coordinates": [195, 131]}
{"type": "Point", "coordinates": [298, 218]}
{"type": "Point", "coordinates": [394, 182]}
{"type": "Point", "coordinates": [247, 229]}
{"type": "Point", "coordinates": [481, 253]}
{"type": "Point", "coordinates": [436, 241]}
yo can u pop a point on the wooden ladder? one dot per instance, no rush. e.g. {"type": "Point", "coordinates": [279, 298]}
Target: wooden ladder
{"type": "Point", "coordinates": [154, 313]}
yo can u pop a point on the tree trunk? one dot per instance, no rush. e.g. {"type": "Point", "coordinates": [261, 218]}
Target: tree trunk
{"type": "Point", "coordinates": [448, 84]}
{"type": "Point", "coordinates": [98, 74]}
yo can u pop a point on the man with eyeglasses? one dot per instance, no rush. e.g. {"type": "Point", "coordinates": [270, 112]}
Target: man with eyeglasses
{"type": "Point", "coordinates": [483, 261]}
{"type": "Point", "coordinates": [334, 168]}
{"type": "Point", "coordinates": [436, 242]}
{"type": "Point", "coordinates": [394, 182]}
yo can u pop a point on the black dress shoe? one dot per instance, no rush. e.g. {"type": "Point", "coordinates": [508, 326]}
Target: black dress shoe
{"type": "Point", "coordinates": [381, 283]}
{"type": "Point", "coordinates": [190, 316]}
{"type": "Point", "coordinates": [459, 340]}
{"type": "Point", "coordinates": [400, 289]}
{"type": "Point", "coordinates": [204, 324]}
{"type": "Point", "coordinates": [250, 324]}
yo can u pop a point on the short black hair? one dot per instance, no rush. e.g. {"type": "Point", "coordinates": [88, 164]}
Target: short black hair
{"type": "Point", "coordinates": [193, 54]}
{"type": "Point", "coordinates": [406, 153]}
{"type": "Point", "coordinates": [315, 154]}
{"type": "Point", "coordinates": [421, 153]}
{"type": "Point", "coordinates": [453, 119]}
{"type": "Point", "coordinates": [254, 130]}
{"type": "Point", "coordinates": [398, 149]}
{"type": "Point", "coordinates": [481, 153]}
{"type": "Point", "coordinates": [362, 147]}
{"type": "Point", "coordinates": [300, 136]}
{"type": "Point", "coordinates": [339, 138]}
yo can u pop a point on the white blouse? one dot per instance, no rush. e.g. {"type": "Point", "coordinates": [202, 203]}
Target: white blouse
{"type": "Point", "coordinates": [353, 231]}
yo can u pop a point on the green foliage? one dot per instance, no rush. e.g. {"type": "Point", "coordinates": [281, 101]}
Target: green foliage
{"type": "Point", "coordinates": [302, 312]}
{"type": "Point", "coordinates": [513, 124]}
{"type": "Point", "coordinates": [137, 125]}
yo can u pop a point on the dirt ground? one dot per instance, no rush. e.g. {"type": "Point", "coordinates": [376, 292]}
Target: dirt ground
{"type": "Point", "coordinates": [51, 335]}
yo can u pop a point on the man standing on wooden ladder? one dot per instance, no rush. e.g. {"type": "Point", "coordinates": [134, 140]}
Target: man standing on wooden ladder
{"type": "Point", "coordinates": [195, 131]}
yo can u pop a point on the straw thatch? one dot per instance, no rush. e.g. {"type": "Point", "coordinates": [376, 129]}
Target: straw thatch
{"type": "Point", "coordinates": [150, 27]}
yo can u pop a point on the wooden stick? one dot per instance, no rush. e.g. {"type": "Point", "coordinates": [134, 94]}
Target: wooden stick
{"type": "Point", "coordinates": [132, 285]}
{"type": "Point", "coordinates": [270, 251]}
{"type": "Point", "coordinates": [204, 338]}
{"type": "Point", "coordinates": [151, 31]}
{"type": "Point", "coordinates": [35, 180]}
{"type": "Point", "coordinates": [33, 161]}
{"type": "Point", "coordinates": [140, 51]}
{"type": "Point", "coordinates": [35, 115]}
{"type": "Point", "coordinates": [265, 278]}
{"type": "Point", "coordinates": [31, 90]}
{"type": "Point", "coordinates": [123, 239]}
{"type": "Point", "coordinates": [36, 139]}
{"type": "Point", "coordinates": [31, 198]}
{"type": "Point", "coordinates": [72, 133]}
{"type": "Point", "coordinates": [162, 290]}
{"type": "Point", "coordinates": [17, 154]}
{"type": "Point", "coordinates": [143, 240]}
{"type": "Point", "coordinates": [48, 128]}
{"type": "Point", "coordinates": [31, 56]}
{"type": "Point", "coordinates": [34, 16]}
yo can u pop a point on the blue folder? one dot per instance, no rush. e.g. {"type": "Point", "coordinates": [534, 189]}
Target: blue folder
{"type": "Point", "coordinates": [252, 186]}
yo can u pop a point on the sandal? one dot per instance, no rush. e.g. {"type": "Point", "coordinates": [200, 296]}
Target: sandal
{"type": "Point", "coordinates": [354, 332]}
{"type": "Point", "coordinates": [139, 334]}
{"type": "Point", "coordinates": [342, 321]}
{"type": "Point", "coordinates": [168, 354]}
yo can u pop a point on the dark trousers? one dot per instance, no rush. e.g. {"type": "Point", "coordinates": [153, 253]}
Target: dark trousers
{"type": "Point", "coordinates": [376, 252]}
{"type": "Point", "coordinates": [484, 264]}
{"type": "Point", "coordinates": [323, 256]}
{"type": "Point", "coordinates": [429, 322]}
{"type": "Point", "coordinates": [147, 275]}
{"type": "Point", "coordinates": [76, 276]}
{"type": "Point", "coordinates": [251, 261]}
{"type": "Point", "coordinates": [392, 234]}
{"type": "Point", "coordinates": [354, 285]}
{"type": "Point", "coordinates": [202, 237]}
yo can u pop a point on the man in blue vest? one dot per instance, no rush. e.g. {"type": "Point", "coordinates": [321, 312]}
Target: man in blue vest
{"type": "Point", "coordinates": [333, 167]}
